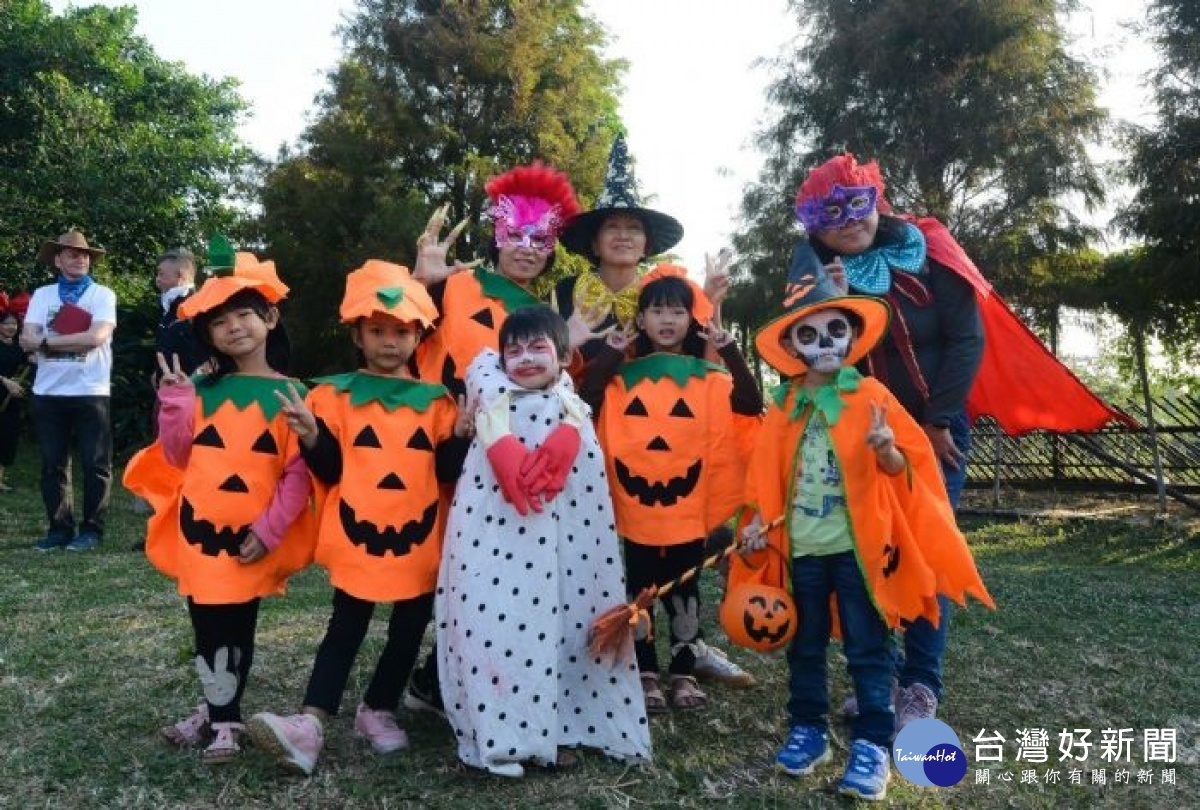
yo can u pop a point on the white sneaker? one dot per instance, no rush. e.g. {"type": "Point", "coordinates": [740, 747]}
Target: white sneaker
{"type": "Point", "coordinates": [712, 664]}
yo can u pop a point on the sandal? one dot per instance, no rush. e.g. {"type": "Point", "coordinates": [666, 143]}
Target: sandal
{"type": "Point", "coordinates": [191, 730]}
{"type": "Point", "coordinates": [656, 701]}
{"type": "Point", "coordinates": [225, 746]}
{"type": "Point", "coordinates": [686, 695]}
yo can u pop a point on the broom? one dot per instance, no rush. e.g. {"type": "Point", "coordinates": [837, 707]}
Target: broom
{"type": "Point", "coordinates": [608, 630]}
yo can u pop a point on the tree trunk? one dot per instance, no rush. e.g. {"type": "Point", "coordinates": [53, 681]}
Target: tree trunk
{"type": "Point", "coordinates": [1139, 343]}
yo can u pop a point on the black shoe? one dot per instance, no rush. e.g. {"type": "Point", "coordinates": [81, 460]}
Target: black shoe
{"type": "Point", "coordinates": [424, 693]}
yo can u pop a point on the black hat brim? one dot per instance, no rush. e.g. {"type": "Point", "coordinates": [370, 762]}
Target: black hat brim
{"type": "Point", "coordinates": [663, 231]}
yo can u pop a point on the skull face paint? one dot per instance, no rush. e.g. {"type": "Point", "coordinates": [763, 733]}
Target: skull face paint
{"type": "Point", "coordinates": [822, 340]}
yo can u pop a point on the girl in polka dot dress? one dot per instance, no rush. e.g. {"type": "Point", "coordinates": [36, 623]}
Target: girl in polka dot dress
{"type": "Point", "coordinates": [530, 559]}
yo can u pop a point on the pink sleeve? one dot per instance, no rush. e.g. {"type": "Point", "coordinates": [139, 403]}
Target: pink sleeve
{"type": "Point", "coordinates": [176, 423]}
{"type": "Point", "coordinates": [291, 498]}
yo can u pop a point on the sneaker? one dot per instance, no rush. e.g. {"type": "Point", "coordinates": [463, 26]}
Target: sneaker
{"type": "Point", "coordinates": [423, 695]}
{"type": "Point", "coordinates": [52, 542]}
{"type": "Point", "coordinates": [867, 772]}
{"type": "Point", "coordinates": [807, 747]}
{"type": "Point", "coordinates": [295, 740]}
{"type": "Point", "coordinates": [916, 702]}
{"type": "Point", "coordinates": [378, 727]}
{"type": "Point", "coordinates": [850, 705]}
{"type": "Point", "coordinates": [86, 541]}
{"type": "Point", "coordinates": [712, 664]}
{"type": "Point", "coordinates": [191, 730]}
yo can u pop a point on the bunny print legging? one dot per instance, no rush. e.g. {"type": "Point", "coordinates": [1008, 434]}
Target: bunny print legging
{"type": "Point", "coordinates": [224, 652]}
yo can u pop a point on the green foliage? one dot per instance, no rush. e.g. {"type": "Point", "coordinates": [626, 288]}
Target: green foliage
{"type": "Point", "coordinates": [974, 110]}
{"type": "Point", "coordinates": [97, 131]}
{"type": "Point", "coordinates": [431, 99]}
{"type": "Point", "coordinates": [1164, 163]}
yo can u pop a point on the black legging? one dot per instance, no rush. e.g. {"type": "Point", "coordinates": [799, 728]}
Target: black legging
{"type": "Point", "coordinates": [347, 629]}
{"type": "Point", "coordinates": [225, 643]}
{"type": "Point", "coordinates": [656, 565]}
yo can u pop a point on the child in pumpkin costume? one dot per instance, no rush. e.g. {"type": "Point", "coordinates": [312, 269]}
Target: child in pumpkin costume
{"type": "Point", "coordinates": [229, 489]}
{"type": "Point", "coordinates": [850, 488]}
{"type": "Point", "coordinates": [531, 559]}
{"type": "Point", "coordinates": [377, 443]}
{"type": "Point", "coordinates": [672, 426]}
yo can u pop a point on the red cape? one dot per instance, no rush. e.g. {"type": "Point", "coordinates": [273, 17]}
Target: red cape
{"type": "Point", "coordinates": [1020, 384]}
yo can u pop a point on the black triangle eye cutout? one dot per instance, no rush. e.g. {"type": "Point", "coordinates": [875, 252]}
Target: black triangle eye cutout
{"type": "Point", "coordinates": [265, 444]}
{"type": "Point", "coordinates": [681, 409]}
{"type": "Point", "coordinates": [484, 316]}
{"type": "Point", "coordinates": [209, 437]}
{"type": "Point", "coordinates": [420, 441]}
{"type": "Point", "coordinates": [367, 438]}
{"type": "Point", "coordinates": [636, 408]}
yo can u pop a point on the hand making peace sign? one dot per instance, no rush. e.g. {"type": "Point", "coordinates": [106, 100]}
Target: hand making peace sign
{"type": "Point", "coordinates": [172, 374]}
{"type": "Point", "coordinates": [299, 418]}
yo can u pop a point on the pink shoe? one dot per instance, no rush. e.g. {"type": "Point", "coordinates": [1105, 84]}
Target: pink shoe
{"type": "Point", "coordinates": [295, 741]}
{"type": "Point", "coordinates": [378, 727]}
{"type": "Point", "coordinates": [191, 730]}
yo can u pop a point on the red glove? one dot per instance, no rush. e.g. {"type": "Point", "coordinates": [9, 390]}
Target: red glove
{"type": "Point", "coordinates": [507, 455]}
{"type": "Point", "coordinates": [545, 472]}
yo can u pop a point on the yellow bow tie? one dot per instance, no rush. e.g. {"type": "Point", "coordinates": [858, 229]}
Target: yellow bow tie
{"type": "Point", "coordinates": [592, 294]}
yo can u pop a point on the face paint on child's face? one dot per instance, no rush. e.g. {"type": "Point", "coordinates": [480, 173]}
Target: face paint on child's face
{"type": "Point", "coordinates": [822, 340]}
{"type": "Point", "coordinates": [532, 363]}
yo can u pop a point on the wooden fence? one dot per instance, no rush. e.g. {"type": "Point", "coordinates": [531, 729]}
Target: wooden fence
{"type": "Point", "coordinates": [1105, 460]}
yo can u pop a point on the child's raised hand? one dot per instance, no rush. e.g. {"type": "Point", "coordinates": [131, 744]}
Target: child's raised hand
{"type": "Point", "coordinates": [715, 334]}
{"type": "Point", "coordinates": [299, 418]}
{"type": "Point", "coordinates": [464, 425]}
{"type": "Point", "coordinates": [837, 274]}
{"type": "Point", "coordinates": [432, 250]}
{"type": "Point", "coordinates": [620, 339]}
{"type": "Point", "coordinates": [172, 374]}
{"type": "Point", "coordinates": [880, 437]}
{"type": "Point", "coordinates": [252, 549]}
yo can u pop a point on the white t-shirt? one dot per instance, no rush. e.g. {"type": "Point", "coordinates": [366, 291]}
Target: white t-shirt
{"type": "Point", "coordinates": [76, 374]}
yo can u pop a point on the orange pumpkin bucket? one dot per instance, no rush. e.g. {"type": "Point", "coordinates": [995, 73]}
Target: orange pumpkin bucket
{"type": "Point", "coordinates": [758, 615]}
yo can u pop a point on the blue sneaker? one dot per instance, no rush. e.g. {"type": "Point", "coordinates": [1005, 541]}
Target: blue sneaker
{"type": "Point", "coordinates": [806, 748]}
{"type": "Point", "coordinates": [52, 542]}
{"type": "Point", "coordinates": [86, 541]}
{"type": "Point", "coordinates": [867, 772]}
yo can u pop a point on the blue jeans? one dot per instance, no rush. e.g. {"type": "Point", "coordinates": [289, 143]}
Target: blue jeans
{"type": "Point", "coordinates": [865, 641]}
{"type": "Point", "coordinates": [56, 421]}
{"type": "Point", "coordinates": [924, 644]}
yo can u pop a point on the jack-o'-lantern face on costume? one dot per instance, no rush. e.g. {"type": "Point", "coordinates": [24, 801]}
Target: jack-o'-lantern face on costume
{"type": "Point", "coordinates": [379, 490]}
{"type": "Point", "coordinates": [659, 416]}
{"type": "Point", "coordinates": [218, 504]}
{"type": "Point", "coordinates": [759, 617]}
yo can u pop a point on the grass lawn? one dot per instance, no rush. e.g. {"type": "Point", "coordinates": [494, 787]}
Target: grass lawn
{"type": "Point", "coordinates": [1097, 628]}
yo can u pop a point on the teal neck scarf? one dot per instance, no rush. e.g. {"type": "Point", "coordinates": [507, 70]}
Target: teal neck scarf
{"type": "Point", "coordinates": [871, 271]}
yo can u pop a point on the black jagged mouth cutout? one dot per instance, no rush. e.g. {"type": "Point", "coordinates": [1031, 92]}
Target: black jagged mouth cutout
{"type": "Point", "coordinates": [761, 634]}
{"type": "Point", "coordinates": [205, 534]}
{"type": "Point", "coordinates": [658, 494]}
{"type": "Point", "coordinates": [377, 542]}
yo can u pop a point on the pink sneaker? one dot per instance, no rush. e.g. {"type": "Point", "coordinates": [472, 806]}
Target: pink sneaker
{"type": "Point", "coordinates": [378, 727]}
{"type": "Point", "coordinates": [295, 741]}
{"type": "Point", "coordinates": [191, 730]}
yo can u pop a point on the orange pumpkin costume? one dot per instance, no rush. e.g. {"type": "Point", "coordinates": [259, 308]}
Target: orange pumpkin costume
{"type": "Point", "coordinates": [667, 429]}
{"type": "Point", "coordinates": [906, 540]}
{"type": "Point", "coordinates": [381, 523]}
{"type": "Point", "coordinates": [241, 444]}
{"type": "Point", "coordinates": [474, 305]}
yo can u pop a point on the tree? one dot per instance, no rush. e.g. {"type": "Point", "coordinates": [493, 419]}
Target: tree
{"type": "Point", "coordinates": [96, 130]}
{"type": "Point", "coordinates": [975, 111]}
{"type": "Point", "coordinates": [431, 99]}
{"type": "Point", "coordinates": [1165, 165]}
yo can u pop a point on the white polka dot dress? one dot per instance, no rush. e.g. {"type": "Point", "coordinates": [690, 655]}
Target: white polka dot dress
{"type": "Point", "coordinates": [516, 596]}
